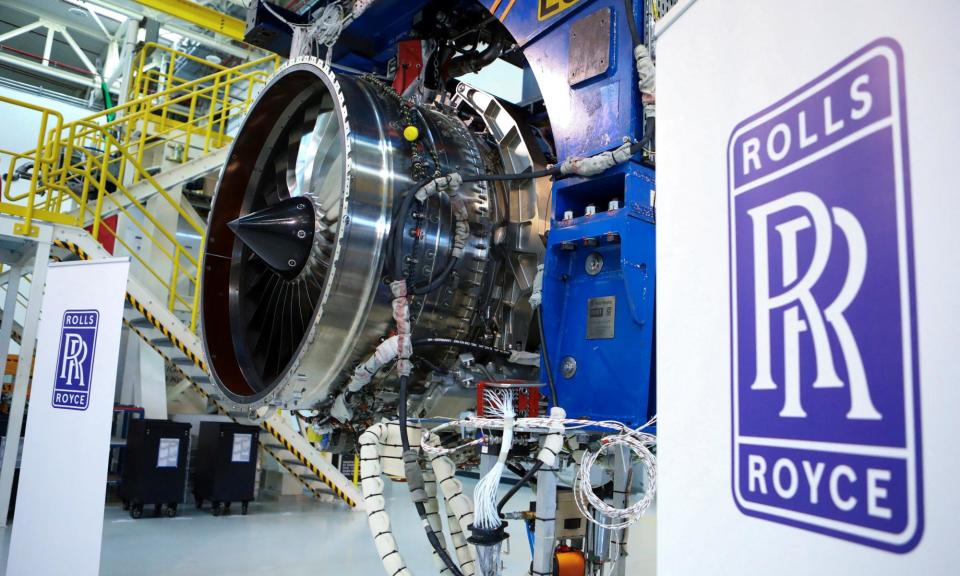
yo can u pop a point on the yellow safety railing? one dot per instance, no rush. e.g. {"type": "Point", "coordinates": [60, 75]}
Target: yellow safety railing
{"type": "Point", "coordinates": [84, 172]}
{"type": "Point", "coordinates": [41, 157]}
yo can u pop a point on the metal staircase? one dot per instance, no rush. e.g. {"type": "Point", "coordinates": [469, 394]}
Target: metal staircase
{"type": "Point", "coordinates": [88, 180]}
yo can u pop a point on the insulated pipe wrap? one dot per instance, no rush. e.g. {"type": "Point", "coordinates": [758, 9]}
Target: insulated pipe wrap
{"type": "Point", "coordinates": [647, 73]}
{"type": "Point", "coordinates": [432, 507]}
{"type": "Point", "coordinates": [371, 484]}
{"type": "Point", "coordinates": [553, 443]}
{"type": "Point", "coordinates": [401, 315]}
{"type": "Point", "coordinates": [459, 505]}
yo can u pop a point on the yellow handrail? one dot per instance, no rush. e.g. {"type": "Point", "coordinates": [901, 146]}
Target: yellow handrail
{"type": "Point", "coordinates": [84, 172]}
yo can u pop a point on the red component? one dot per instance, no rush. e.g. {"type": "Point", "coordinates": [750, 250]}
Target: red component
{"type": "Point", "coordinates": [526, 401]}
{"type": "Point", "coordinates": [409, 64]}
{"type": "Point", "coordinates": [106, 235]}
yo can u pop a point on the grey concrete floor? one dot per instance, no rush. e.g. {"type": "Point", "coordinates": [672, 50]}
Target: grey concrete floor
{"type": "Point", "coordinates": [294, 537]}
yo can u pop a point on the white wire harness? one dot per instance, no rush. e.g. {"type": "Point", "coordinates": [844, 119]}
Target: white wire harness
{"type": "Point", "coordinates": [498, 403]}
{"type": "Point", "coordinates": [586, 498]}
{"type": "Point", "coordinates": [638, 442]}
{"type": "Point", "coordinates": [398, 347]}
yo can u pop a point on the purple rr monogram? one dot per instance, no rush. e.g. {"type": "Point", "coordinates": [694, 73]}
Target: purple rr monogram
{"type": "Point", "coordinates": [78, 341]}
{"type": "Point", "coordinates": [825, 389]}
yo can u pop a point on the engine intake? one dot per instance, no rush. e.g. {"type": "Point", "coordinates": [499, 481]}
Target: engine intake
{"type": "Point", "coordinates": [293, 292]}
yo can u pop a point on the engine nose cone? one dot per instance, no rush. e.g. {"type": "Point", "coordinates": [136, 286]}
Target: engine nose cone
{"type": "Point", "coordinates": [281, 234]}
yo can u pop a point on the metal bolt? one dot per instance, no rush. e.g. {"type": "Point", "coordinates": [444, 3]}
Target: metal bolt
{"type": "Point", "coordinates": [568, 367]}
{"type": "Point", "coordinates": [593, 264]}
{"type": "Point", "coordinates": [301, 234]}
{"type": "Point", "coordinates": [291, 262]}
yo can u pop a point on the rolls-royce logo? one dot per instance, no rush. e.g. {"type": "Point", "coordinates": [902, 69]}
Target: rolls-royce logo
{"type": "Point", "coordinates": [826, 422]}
{"type": "Point", "coordinates": [78, 339]}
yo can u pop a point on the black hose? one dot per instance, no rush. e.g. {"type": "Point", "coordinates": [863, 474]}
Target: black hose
{"type": "Point", "coordinates": [462, 344]}
{"type": "Point", "coordinates": [475, 62]}
{"type": "Point", "coordinates": [402, 212]}
{"type": "Point", "coordinates": [421, 509]}
{"type": "Point", "coordinates": [430, 365]}
{"type": "Point", "coordinates": [396, 233]}
{"type": "Point", "coordinates": [519, 471]}
{"type": "Point", "coordinates": [439, 280]}
{"type": "Point", "coordinates": [516, 487]}
{"type": "Point", "coordinates": [553, 171]}
{"type": "Point", "coordinates": [632, 22]}
{"type": "Point", "coordinates": [546, 358]}
{"type": "Point", "coordinates": [406, 204]}
{"type": "Point", "coordinates": [402, 413]}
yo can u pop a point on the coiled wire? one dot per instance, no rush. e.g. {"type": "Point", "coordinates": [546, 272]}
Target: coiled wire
{"type": "Point", "coordinates": [586, 498]}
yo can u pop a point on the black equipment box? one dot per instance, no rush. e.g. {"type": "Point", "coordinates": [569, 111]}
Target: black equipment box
{"type": "Point", "coordinates": [266, 30]}
{"type": "Point", "coordinates": [155, 466]}
{"type": "Point", "coordinates": [226, 465]}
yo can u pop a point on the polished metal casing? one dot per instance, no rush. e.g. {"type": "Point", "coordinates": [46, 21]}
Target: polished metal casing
{"type": "Point", "coordinates": [352, 312]}
{"type": "Point", "coordinates": [371, 174]}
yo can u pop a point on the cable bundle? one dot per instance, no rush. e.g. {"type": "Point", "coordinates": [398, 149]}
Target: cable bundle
{"type": "Point", "coordinates": [586, 498]}
{"type": "Point", "coordinates": [635, 439]}
{"type": "Point", "coordinates": [499, 403]}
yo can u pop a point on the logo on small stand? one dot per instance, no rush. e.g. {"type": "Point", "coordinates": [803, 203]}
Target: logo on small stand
{"type": "Point", "coordinates": [78, 339]}
{"type": "Point", "coordinates": [825, 390]}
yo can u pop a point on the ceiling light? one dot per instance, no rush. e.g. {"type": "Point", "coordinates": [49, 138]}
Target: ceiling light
{"type": "Point", "coordinates": [98, 10]}
{"type": "Point", "coordinates": [171, 37]}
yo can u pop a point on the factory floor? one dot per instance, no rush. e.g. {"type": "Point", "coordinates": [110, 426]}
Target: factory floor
{"type": "Point", "coordinates": [293, 537]}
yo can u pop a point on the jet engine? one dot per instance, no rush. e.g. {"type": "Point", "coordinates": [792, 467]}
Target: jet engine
{"type": "Point", "coordinates": [308, 222]}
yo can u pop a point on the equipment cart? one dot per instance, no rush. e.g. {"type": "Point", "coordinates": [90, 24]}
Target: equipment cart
{"type": "Point", "coordinates": [155, 466]}
{"type": "Point", "coordinates": [226, 465]}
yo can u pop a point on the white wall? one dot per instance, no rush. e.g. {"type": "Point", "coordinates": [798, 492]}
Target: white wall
{"type": "Point", "coordinates": [20, 126]}
{"type": "Point", "coordinates": [720, 63]}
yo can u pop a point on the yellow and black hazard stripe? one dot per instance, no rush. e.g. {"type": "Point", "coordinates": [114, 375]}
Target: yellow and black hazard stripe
{"type": "Point", "coordinates": [290, 470]}
{"type": "Point", "coordinates": [138, 306]}
{"type": "Point", "coordinates": [73, 248]}
{"type": "Point", "coordinates": [166, 332]}
{"type": "Point", "coordinates": [199, 390]}
{"type": "Point", "coordinates": [306, 462]}
{"type": "Point", "coordinates": [160, 351]}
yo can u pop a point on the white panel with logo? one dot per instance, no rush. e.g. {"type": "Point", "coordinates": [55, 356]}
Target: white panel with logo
{"type": "Point", "coordinates": [60, 500]}
{"type": "Point", "coordinates": [808, 276]}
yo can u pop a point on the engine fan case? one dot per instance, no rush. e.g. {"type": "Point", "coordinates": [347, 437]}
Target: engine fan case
{"type": "Point", "coordinates": [281, 151]}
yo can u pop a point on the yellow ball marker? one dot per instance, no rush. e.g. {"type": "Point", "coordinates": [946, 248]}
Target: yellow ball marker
{"type": "Point", "coordinates": [411, 133]}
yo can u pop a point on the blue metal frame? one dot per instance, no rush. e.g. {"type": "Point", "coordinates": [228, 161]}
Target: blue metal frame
{"type": "Point", "coordinates": [615, 377]}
